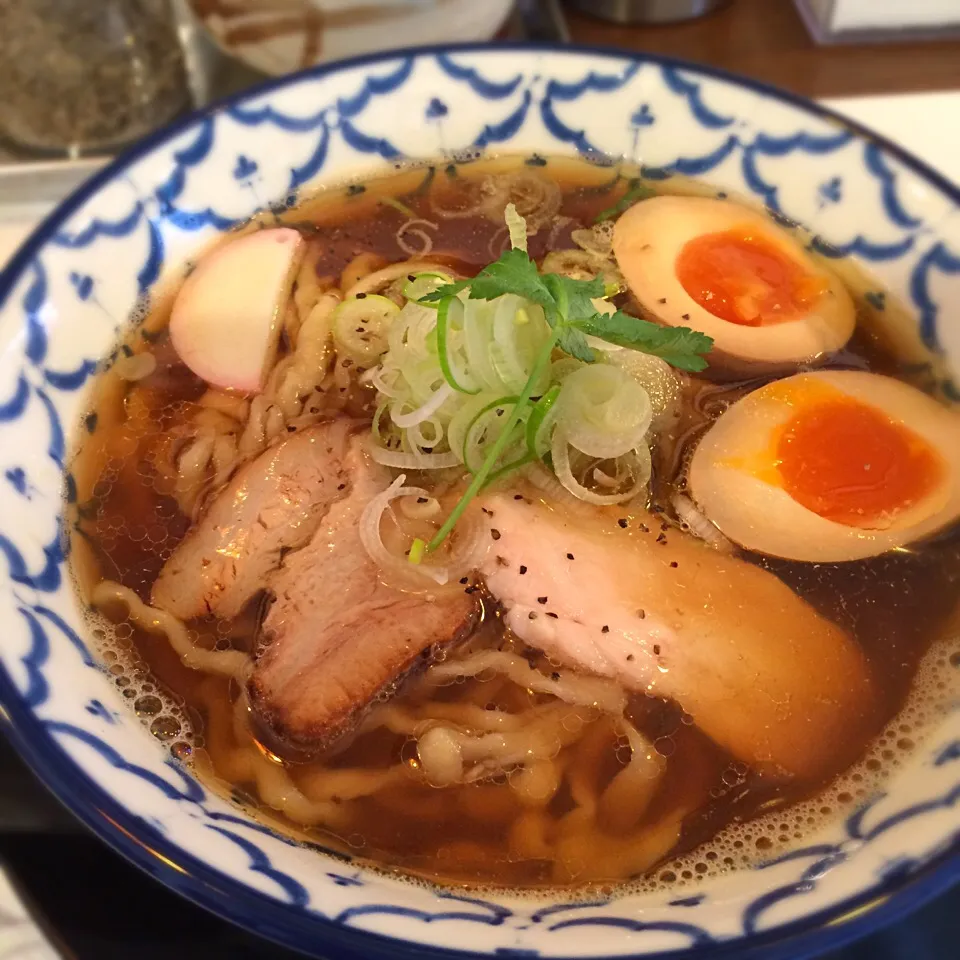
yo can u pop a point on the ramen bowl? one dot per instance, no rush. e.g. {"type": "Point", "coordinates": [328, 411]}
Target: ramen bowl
{"type": "Point", "coordinates": [74, 284]}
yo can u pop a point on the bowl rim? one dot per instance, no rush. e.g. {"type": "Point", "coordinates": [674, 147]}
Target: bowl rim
{"type": "Point", "coordinates": [291, 926]}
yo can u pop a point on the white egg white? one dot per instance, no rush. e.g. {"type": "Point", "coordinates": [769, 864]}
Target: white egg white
{"type": "Point", "coordinates": [762, 516]}
{"type": "Point", "coordinates": [649, 238]}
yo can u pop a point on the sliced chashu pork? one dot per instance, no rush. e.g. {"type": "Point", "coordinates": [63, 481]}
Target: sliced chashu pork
{"type": "Point", "coordinates": [336, 637]}
{"type": "Point", "coordinates": [758, 669]}
{"type": "Point", "coordinates": [271, 505]}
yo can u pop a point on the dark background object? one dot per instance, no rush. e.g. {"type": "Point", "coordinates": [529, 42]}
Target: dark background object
{"type": "Point", "coordinates": [646, 11]}
{"type": "Point", "coordinates": [767, 40]}
{"type": "Point", "coordinates": [817, 20]}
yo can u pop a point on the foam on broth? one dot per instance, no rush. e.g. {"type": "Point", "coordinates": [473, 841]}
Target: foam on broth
{"type": "Point", "coordinates": [125, 525]}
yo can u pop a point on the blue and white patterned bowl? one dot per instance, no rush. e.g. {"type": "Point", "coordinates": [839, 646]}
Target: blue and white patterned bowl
{"type": "Point", "coordinates": [69, 289]}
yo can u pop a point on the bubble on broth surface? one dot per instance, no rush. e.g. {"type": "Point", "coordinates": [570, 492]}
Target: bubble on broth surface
{"type": "Point", "coordinates": [121, 526]}
{"type": "Point", "coordinates": [735, 847]}
{"type": "Point", "coordinates": [741, 845]}
{"type": "Point", "coordinates": [156, 707]}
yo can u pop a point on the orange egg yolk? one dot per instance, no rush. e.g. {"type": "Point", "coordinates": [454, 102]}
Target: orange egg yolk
{"type": "Point", "coordinates": [742, 277]}
{"type": "Point", "coordinates": [850, 463]}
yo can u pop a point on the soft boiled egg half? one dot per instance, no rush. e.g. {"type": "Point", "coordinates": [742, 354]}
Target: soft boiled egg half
{"type": "Point", "coordinates": [830, 466]}
{"type": "Point", "coordinates": [733, 274]}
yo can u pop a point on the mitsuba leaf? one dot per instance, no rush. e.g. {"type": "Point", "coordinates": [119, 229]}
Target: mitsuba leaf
{"type": "Point", "coordinates": [514, 273]}
{"type": "Point", "coordinates": [681, 347]}
{"type": "Point", "coordinates": [572, 341]}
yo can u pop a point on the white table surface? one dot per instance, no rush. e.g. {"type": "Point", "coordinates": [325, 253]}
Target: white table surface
{"type": "Point", "coordinates": [927, 124]}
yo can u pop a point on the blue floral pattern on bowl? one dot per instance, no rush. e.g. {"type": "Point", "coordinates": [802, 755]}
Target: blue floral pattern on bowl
{"type": "Point", "coordinates": [135, 226]}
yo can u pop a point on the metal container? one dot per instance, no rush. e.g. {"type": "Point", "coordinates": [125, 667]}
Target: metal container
{"type": "Point", "coordinates": [646, 11]}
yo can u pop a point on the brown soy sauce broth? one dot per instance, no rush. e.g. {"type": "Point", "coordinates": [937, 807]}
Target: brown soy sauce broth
{"type": "Point", "coordinates": [125, 524]}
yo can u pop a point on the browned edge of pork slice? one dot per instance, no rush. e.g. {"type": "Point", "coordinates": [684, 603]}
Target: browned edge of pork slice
{"type": "Point", "coordinates": [271, 505]}
{"type": "Point", "coordinates": [336, 638]}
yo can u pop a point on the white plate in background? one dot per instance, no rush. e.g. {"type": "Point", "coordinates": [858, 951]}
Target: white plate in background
{"type": "Point", "coordinates": [346, 28]}
{"type": "Point", "coordinates": [20, 937]}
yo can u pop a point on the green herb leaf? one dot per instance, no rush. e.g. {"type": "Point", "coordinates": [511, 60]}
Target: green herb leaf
{"type": "Point", "coordinates": [681, 347]}
{"type": "Point", "coordinates": [514, 272]}
{"type": "Point", "coordinates": [636, 193]}
{"type": "Point", "coordinates": [572, 315]}
{"type": "Point", "coordinates": [572, 341]}
{"type": "Point", "coordinates": [447, 290]}
{"type": "Point", "coordinates": [574, 297]}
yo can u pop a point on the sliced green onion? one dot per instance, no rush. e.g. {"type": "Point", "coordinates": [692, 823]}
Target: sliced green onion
{"type": "Point", "coordinates": [521, 461]}
{"type": "Point", "coordinates": [515, 345]}
{"type": "Point", "coordinates": [397, 205]}
{"type": "Point", "coordinates": [513, 418]}
{"type": "Point", "coordinates": [635, 193]}
{"type": "Point", "coordinates": [473, 445]}
{"type": "Point", "coordinates": [535, 422]}
{"type": "Point", "coordinates": [424, 283]}
{"type": "Point", "coordinates": [477, 337]}
{"type": "Point", "coordinates": [604, 411]}
{"type": "Point", "coordinates": [375, 426]}
{"type": "Point", "coordinates": [462, 420]}
{"type": "Point", "coordinates": [417, 550]}
{"type": "Point", "coordinates": [517, 228]}
{"type": "Point", "coordinates": [448, 311]}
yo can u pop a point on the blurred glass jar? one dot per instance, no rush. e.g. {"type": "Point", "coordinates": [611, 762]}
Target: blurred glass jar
{"type": "Point", "coordinates": [87, 76]}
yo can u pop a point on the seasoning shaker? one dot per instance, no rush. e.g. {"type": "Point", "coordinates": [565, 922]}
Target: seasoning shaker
{"type": "Point", "coordinates": [87, 76]}
{"type": "Point", "coordinates": [646, 11]}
